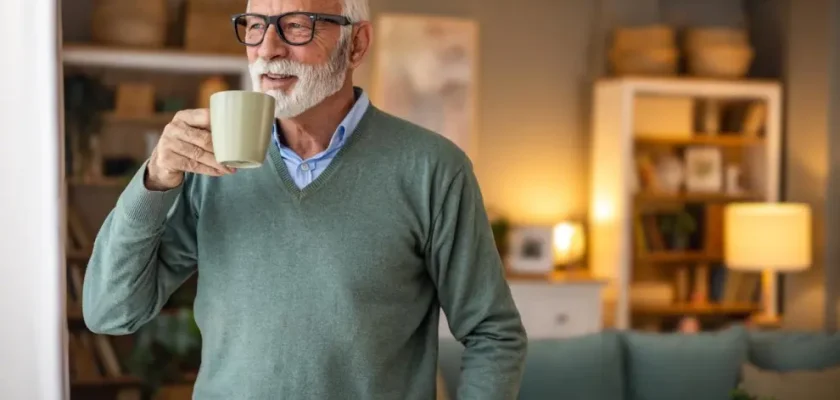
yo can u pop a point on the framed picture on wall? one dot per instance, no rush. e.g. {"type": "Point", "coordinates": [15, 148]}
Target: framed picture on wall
{"type": "Point", "coordinates": [530, 250]}
{"type": "Point", "coordinates": [425, 71]}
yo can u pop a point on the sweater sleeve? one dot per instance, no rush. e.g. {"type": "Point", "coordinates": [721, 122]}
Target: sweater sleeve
{"type": "Point", "coordinates": [474, 294]}
{"type": "Point", "coordinates": [144, 251]}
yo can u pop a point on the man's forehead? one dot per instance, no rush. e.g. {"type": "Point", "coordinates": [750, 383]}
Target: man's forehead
{"type": "Point", "coordinates": [281, 6]}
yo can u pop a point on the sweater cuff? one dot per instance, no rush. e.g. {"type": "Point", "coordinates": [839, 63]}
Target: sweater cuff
{"type": "Point", "coordinates": [143, 206]}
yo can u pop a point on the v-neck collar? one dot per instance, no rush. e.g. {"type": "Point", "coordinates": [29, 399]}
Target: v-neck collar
{"type": "Point", "coordinates": [285, 176]}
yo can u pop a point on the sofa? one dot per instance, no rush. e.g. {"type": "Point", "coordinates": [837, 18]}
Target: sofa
{"type": "Point", "coordinates": [631, 365]}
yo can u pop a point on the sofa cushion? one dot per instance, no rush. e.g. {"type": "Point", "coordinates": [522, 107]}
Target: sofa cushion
{"type": "Point", "coordinates": [700, 366]}
{"type": "Point", "coordinates": [580, 368]}
{"type": "Point", "coordinates": [586, 367]}
{"type": "Point", "coordinates": [789, 351]}
{"type": "Point", "coordinates": [791, 385]}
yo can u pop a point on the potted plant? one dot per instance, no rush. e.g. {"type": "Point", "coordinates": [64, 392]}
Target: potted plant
{"type": "Point", "coordinates": [741, 394]}
{"type": "Point", "coordinates": [165, 348]}
{"type": "Point", "coordinates": [501, 228]}
{"type": "Point", "coordinates": [679, 228]}
{"type": "Point", "coordinates": [85, 99]}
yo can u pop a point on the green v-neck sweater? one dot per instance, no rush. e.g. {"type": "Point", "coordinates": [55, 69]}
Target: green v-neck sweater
{"type": "Point", "coordinates": [329, 292]}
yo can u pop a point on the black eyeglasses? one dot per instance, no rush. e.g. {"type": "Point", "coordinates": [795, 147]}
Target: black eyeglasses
{"type": "Point", "coordinates": [295, 28]}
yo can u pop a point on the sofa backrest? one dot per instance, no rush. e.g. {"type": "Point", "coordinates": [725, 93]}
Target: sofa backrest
{"type": "Point", "coordinates": [630, 365]}
{"type": "Point", "coordinates": [587, 368]}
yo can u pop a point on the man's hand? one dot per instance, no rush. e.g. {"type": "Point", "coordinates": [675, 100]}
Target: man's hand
{"type": "Point", "coordinates": [184, 146]}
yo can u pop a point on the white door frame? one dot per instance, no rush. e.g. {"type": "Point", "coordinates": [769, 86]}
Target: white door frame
{"type": "Point", "coordinates": [32, 317]}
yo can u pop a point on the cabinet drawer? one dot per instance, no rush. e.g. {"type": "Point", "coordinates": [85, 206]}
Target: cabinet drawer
{"type": "Point", "coordinates": [553, 311]}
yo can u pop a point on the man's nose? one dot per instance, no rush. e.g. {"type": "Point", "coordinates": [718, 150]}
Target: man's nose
{"type": "Point", "coordinates": [272, 45]}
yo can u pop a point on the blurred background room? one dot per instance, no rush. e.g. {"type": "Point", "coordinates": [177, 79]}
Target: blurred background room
{"type": "Point", "coordinates": [658, 174]}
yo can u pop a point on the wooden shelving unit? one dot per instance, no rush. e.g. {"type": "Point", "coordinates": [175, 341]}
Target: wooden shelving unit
{"type": "Point", "coordinates": [651, 198]}
{"type": "Point", "coordinates": [632, 207]}
{"type": "Point", "coordinates": [719, 140]}
{"type": "Point", "coordinates": [91, 198]}
{"type": "Point", "coordinates": [698, 309]}
{"type": "Point", "coordinates": [674, 257]}
{"type": "Point", "coordinates": [123, 96]}
{"type": "Point", "coordinates": [164, 60]}
{"type": "Point", "coordinates": [107, 382]}
{"type": "Point", "coordinates": [154, 120]}
{"type": "Point", "coordinates": [95, 366]}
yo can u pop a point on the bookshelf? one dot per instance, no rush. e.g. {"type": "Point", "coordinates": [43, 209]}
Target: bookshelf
{"type": "Point", "coordinates": [667, 154]}
{"type": "Point", "coordinates": [168, 60]}
{"type": "Point", "coordinates": [121, 87]}
{"type": "Point", "coordinates": [95, 366]}
{"type": "Point", "coordinates": [100, 364]}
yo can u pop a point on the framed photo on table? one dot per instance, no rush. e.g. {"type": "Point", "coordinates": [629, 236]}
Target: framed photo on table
{"type": "Point", "coordinates": [530, 250]}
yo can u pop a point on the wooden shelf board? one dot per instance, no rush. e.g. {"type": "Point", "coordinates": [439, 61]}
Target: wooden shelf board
{"type": "Point", "coordinates": [74, 313]}
{"type": "Point", "coordinates": [103, 182]}
{"type": "Point", "coordinates": [155, 59]}
{"type": "Point", "coordinates": [721, 140]}
{"type": "Point", "coordinates": [78, 255]}
{"type": "Point", "coordinates": [698, 309]}
{"type": "Point", "coordinates": [698, 86]}
{"type": "Point", "coordinates": [673, 257]}
{"type": "Point", "coordinates": [558, 277]}
{"type": "Point", "coordinates": [654, 197]}
{"type": "Point", "coordinates": [107, 381]}
{"type": "Point", "coordinates": [153, 119]}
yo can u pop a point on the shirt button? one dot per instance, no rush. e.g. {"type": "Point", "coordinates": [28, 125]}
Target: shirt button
{"type": "Point", "coordinates": [304, 167]}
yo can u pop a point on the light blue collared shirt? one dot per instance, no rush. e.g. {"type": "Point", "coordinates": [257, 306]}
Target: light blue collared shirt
{"type": "Point", "coordinates": [303, 172]}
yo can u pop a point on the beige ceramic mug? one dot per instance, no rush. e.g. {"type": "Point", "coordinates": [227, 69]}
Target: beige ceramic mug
{"type": "Point", "coordinates": [241, 124]}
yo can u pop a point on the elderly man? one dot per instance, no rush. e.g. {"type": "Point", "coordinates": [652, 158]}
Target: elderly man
{"type": "Point", "coordinates": [323, 272]}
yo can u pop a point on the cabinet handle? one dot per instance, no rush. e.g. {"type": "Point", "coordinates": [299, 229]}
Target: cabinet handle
{"type": "Point", "coordinates": [562, 319]}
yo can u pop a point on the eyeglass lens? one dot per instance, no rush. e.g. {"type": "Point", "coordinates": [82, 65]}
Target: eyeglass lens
{"type": "Point", "coordinates": [296, 28]}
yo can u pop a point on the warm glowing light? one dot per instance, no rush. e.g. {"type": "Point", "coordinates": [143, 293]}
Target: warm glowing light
{"type": "Point", "coordinates": [569, 243]}
{"type": "Point", "coordinates": [603, 210]}
{"type": "Point", "coordinates": [775, 236]}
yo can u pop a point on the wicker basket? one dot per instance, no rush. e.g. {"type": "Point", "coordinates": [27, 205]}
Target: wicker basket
{"type": "Point", "coordinates": [661, 61]}
{"type": "Point", "coordinates": [208, 29]}
{"type": "Point", "coordinates": [633, 38]}
{"type": "Point", "coordinates": [133, 23]}
{"type": "Point", "coordinates": [721, 61]}
{"type": "Point", "coordinates": [701, 37]}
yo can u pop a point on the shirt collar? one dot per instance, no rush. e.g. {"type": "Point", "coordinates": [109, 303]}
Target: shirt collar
{"type": "Point", "coordinates": [345, 128]}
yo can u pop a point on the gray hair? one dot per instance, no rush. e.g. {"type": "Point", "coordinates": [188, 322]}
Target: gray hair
{"type": "Point", "coordinates": [355, 10]}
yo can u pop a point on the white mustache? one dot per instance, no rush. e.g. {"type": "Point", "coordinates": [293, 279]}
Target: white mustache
{"type": "Point", "coordinates": [278, 67]}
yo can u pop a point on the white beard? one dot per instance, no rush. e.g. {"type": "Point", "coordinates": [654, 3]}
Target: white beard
{"type": "Point", "coordinates": [314, 82]}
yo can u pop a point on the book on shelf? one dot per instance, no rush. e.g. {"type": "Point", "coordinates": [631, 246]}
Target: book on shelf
{"type": "Point", "coordinates": [92, 358]}
{"type": "Point", "coordinates": [690, 237]}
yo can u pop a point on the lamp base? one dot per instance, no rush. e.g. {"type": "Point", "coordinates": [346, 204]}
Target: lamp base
{"type": "Point", "coordinates": [768, 291]}
{"type": "Point", "coordinates": [764, 321]}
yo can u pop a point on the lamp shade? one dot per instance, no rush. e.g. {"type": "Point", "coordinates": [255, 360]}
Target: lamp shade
{"type": "Point", "coordinates": [767, 236]}
{"type": "Point", "coordinates": [569, 243]}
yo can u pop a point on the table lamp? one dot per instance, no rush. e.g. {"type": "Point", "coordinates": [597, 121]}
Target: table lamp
{"type": "Point", "coordinates": [569, 244]}
{"type": "Point", "coordinates": [768, 238]}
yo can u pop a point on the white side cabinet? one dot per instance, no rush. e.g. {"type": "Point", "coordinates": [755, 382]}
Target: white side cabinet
{"type": "Point", "coordinates": [554, 310]}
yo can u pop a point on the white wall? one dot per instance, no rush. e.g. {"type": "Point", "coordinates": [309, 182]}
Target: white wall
{"type": "Point", "coordinates": [31, 321]}
{"type": "Point", "coordinates": [811, 72]}
{"type": "Point", "coordinates": [533, 105]}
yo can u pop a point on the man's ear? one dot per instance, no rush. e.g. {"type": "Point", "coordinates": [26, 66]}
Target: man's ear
{"type": "Point", "coordinates": [361, 42]}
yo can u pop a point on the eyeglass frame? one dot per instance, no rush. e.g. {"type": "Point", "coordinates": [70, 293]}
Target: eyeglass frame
{"type": "Point", "coordinates": [274, 20]}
